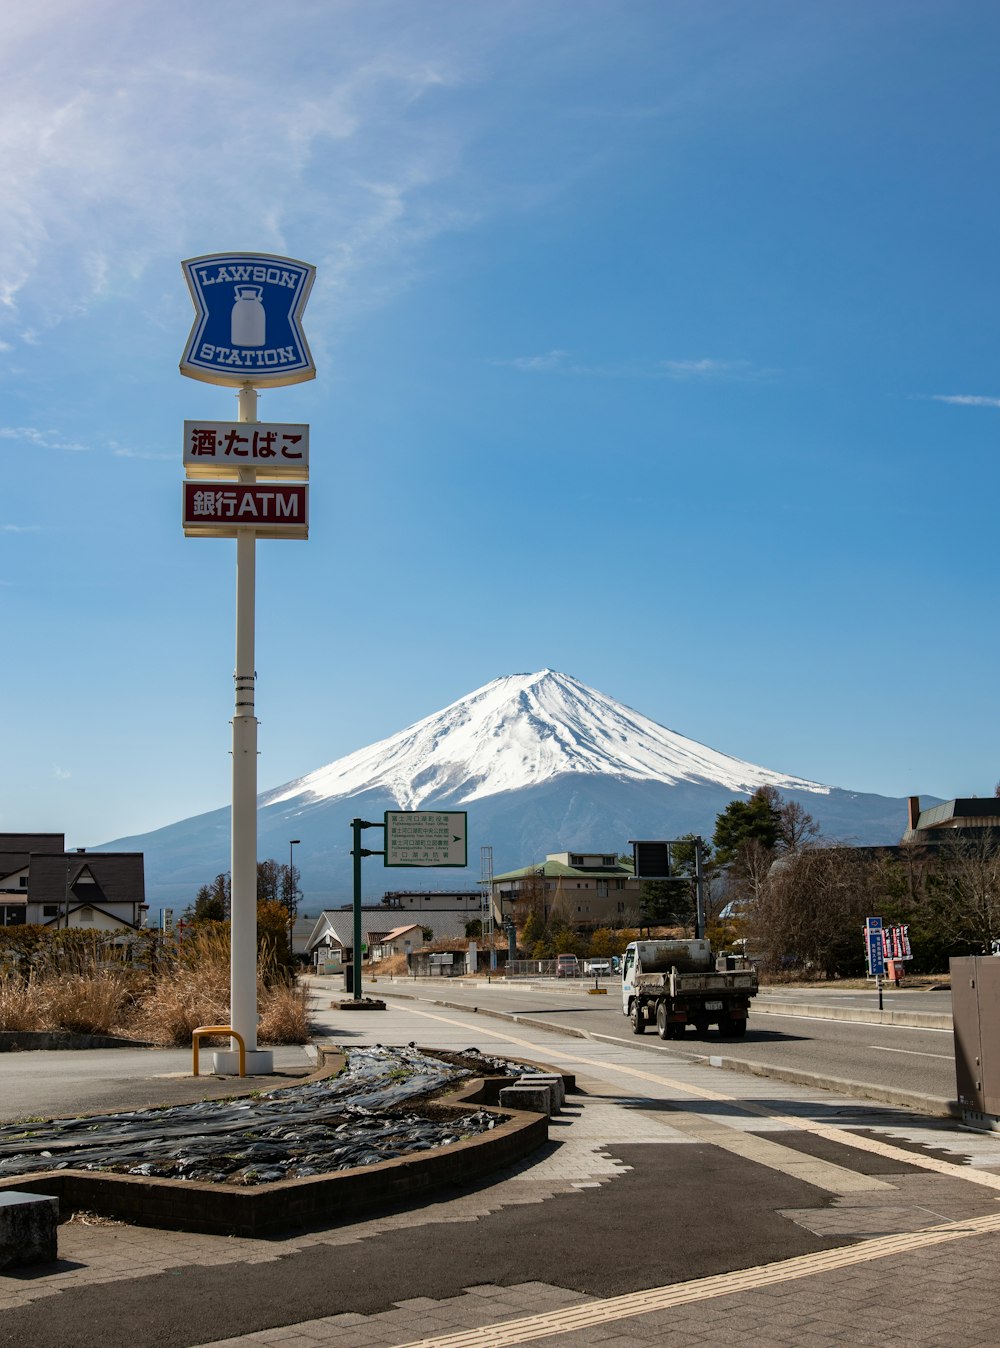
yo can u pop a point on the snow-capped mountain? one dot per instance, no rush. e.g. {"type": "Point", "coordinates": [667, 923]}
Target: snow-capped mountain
{"type": "Point", "coordinates": [518, 732]}
{"type": "Point", "coordinates": [541, 762]}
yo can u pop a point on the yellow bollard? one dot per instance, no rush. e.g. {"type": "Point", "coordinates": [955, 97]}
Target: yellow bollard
{"type": "Point", "coordinates": [218, 1029]}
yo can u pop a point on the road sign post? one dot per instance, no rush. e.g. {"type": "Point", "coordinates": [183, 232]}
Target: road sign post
{"type": "Point", "coordinates": [247, 333]}
{"type": "Point", "coordinates": [875, 953]}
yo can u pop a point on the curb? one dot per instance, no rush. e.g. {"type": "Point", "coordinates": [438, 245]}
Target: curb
{"type": "Point", "coordinates": [26, 1041]}
{"type": "Point", "coordinates": [915, 1020]}
{"type": "Point", "coordinates": [266, 1209]}
{"type": "Point", "coordinates": [910, 1100]}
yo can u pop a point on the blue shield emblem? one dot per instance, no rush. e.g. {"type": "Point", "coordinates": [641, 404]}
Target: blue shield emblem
{"type": "Point", "coordinates": [248, 320]}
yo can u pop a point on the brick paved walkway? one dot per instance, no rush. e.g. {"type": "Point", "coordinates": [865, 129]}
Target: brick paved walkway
{"type": "Point", "coordinates": [893, 1221]}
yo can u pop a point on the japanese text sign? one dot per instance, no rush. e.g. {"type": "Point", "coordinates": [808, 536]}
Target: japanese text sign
{"type": "Point", "coordinates": [220, 509]}
{"type": "Point", "coordinates": [222, 448]}
{"type": "Point", "coordinates": [426, 838]}
{"type": "Point", "coordinates": [248, 319]}
{"type": "Point", "coordinates": [874, 951]}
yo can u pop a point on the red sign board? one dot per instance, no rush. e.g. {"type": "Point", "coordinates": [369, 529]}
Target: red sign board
{"type": "Point", "coordinates": [270, 509]}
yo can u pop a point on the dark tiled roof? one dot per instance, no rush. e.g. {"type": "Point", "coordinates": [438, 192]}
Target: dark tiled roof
{"type": "Point", "coordinates": [118, 877]}
{"type": "Point", "coordinates": [32, 842]}
{"type": "Point", "coordinates": [15, 848]}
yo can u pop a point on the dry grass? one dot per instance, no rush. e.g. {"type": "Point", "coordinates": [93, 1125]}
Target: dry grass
{"type": "Point", "coordinates": [192, 990]}
{"type": "Point", "coordinates": [395, 964]}
{"type": "Point", "coordinates": [90, 993]}
{"type": "Point", "coordinates": [87, 1003]}
{"type": "Point", "coordinates": [20, 1003]}
{"type": "Point", "coordinates": [283, 1015]}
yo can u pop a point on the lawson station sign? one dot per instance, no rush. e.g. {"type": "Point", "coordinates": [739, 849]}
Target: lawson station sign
{"type": "Point", "coordinates": [248, 320]}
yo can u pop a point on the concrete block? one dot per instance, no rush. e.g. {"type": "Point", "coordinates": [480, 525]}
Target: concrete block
{"type": "Point", "coordinates": [538, 1099]}
{"type": "Point", "coordinates": [551, 1079]}
{"type": "Point", "coordinates": [28, 1224]}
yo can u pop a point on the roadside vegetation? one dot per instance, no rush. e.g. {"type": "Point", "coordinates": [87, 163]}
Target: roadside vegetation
{"type": "Point", "coordinates": [796, 902]}
{"type": "Point", "coordinates": [147, 985]}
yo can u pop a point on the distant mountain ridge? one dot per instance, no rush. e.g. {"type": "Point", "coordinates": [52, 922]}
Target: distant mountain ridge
{"type": "Point", "coordinates": [542, 763]}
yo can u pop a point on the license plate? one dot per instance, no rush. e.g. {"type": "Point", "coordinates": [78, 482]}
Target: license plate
{"type": "Point", "coordinates": [713, 1006]}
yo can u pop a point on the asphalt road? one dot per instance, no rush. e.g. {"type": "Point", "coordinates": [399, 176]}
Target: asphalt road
{"type": "Point", "coordinates": [920, 1061]}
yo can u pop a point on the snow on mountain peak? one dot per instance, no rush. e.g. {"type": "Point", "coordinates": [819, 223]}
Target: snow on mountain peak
{"type": "Point", "coordinates": [518, 731]}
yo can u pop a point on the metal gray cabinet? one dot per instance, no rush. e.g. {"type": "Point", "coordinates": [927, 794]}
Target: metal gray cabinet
{"type": "Point", "coordinates": [975, 1001]}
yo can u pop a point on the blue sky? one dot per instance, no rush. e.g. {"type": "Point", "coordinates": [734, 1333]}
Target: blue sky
{"type": "Point", "coordinates": [656, 343]}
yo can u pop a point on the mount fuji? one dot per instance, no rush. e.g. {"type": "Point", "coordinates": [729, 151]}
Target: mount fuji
{"type": "Point", "coordinates": [541, 762]}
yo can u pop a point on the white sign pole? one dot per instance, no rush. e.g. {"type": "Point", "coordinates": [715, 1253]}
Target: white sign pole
{"type": "Point", "coordinates": [243, 909]}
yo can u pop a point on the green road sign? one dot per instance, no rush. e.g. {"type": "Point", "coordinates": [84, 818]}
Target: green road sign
{"type": "Point", "coordinates": [426, 838]}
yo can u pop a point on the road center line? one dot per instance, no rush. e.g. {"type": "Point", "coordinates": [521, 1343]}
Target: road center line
{"type": "Point", "coordinates": [914, 1052]}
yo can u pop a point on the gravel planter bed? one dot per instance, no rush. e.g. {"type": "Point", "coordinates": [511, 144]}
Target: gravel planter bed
{"type": "Point", "coordinates": [356, 1118]}
{"type": "Point", "coordinates": [330, 1148]}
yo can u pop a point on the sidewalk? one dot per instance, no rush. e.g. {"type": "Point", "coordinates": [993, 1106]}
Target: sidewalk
{"type": "Point", "coordinates": [675, 1204]}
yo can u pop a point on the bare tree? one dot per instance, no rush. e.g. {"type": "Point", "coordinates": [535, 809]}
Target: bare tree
{"type": "Point", "coordinates": [810, 910]}
{"type": "Point", "coordinates": [968, 883]}
{"type": "Point", "coordinates": [796, 828]}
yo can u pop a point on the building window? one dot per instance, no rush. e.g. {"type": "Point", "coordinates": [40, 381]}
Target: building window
{"type": "Point", "coordinates": [23, 881]}
{"type": "Point", "coordinates": [621, 908]}
{"type": "Point", "coordinates": [575, 860]}
{"type": "Point", "coordinates": [86, 914]}
{"type": "Point", "coordinates": [50, 910]}
{"type": "Point", "coordinates": [607, 861]}
{"type": "Point", "coordinates": [619, 884]}
{"type": "Point", "coordinates": [602, 888]}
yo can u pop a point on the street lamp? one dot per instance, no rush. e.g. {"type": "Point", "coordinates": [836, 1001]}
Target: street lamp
{"type": "Point", "coordinates": [292, 843]}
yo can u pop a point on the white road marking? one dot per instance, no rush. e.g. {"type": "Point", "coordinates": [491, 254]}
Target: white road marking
{"type": "Point", "coordinates": [915, 1052]}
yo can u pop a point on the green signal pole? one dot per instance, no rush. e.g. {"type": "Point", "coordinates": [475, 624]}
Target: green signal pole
{"type": "Point", "coordinates": [357, 852]}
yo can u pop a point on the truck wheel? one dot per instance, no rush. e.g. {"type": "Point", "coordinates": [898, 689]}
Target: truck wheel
{"type": "Point", "coordinates": [637, 1017]}
{"type": "Point", "coordinates": [663, 1026]}
{"type": "Point", "coordinates": [731, 1027]}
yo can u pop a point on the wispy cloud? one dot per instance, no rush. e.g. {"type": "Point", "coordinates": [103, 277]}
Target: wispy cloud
{"type": "Point", "coordinates": [115, 172]}
{"type": "Point", "coordinates": [32, 435]}
{"type": "Point", "coordinates": [964, 400]}
{"type": "Point", "coordinates": [696, 370]}
{"type": "Point", "coordinates": [61, 774]}
{"type": "Point", "coordinates": [52, 440]}
{"type": "Point", "coordinates": [534, 364]}
{"type": "Point", "coordinates": [706, 368]}
{"type": "Point", "coordinates": [150, 455]}
{"type": "Point", "coordinates": [20, 528]}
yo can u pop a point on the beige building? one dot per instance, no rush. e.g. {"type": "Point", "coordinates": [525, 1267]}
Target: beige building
{"type": "Point", "coordinates": [585, 889]}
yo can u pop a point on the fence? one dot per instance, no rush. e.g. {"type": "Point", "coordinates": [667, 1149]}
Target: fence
{"type": "Point", "coordinates": [529, 969]}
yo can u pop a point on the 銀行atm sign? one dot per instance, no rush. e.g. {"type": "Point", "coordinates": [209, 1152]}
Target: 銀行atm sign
{"type": "Point", "coordinates": [270, 509]}
{"type": "Point", "coordinates": [248, 320]}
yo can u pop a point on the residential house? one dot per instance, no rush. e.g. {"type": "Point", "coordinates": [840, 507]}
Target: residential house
{"type": "Point", "coordinates": [332, 937]}
{"type": "Point", "coordinates": [399, 941]}
{"type": "Point", "coordinates": [42, 883]}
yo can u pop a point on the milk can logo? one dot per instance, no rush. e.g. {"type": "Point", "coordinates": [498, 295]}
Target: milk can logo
{"type": "Point", "coordinates": [248, 319]}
